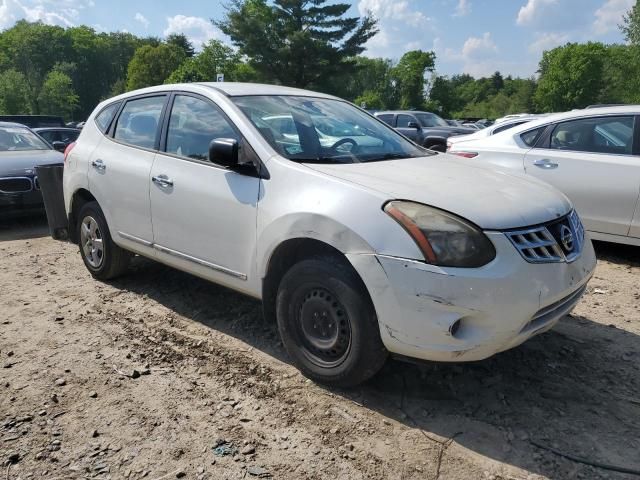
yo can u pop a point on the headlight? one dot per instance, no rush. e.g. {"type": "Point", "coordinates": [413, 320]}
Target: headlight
{"type": "Point", "coordinates": [443, 238]}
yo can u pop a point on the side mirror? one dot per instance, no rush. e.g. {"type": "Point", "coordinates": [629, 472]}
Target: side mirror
{"type": "Point", "coordinates": [413, 125]}
{"type": "Point", "coordinates": [59, 146]}
{"type": "Point", "coordinates": [224, 151]}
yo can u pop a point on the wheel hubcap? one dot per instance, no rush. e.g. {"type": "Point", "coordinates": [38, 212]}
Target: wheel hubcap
{"type": "Point", "coordinates": [324, 328]}
{"type": "Point", "coordinates": [91, 241]}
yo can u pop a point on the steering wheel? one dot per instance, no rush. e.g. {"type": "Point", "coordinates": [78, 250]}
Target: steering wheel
{"type": "Point", "coordinates": [344, 141]}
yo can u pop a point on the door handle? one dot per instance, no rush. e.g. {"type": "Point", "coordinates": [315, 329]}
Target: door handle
{"type": "Point", "coordinates": [99, 165]}
{"type": "Point", "coordinates": [546, 164]}
{"type": "Point", "coordinates": [163, 181]}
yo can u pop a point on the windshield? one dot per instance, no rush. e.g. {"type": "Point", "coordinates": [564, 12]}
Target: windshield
{"type": "Point", "coordinates": [20, 138]}
{"type": "Point", "coordinates": [431, 120]}
{"type": "Point", "coordinates": [308, 129]}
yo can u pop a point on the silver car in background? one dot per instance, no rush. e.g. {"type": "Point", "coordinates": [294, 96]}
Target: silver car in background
{"type": "Point", "coordinates": [591, 155]}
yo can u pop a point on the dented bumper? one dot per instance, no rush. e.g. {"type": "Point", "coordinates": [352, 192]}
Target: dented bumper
{"type": "Point", "coordinates": [458, 314]}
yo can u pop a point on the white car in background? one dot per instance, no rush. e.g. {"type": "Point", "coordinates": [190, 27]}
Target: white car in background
{"type": "Point", "coordinates": [592, 155]}
{"type": "Point", "coordinates": [491, 130]}
{"type": "Point", "coordinates": [357, 250]}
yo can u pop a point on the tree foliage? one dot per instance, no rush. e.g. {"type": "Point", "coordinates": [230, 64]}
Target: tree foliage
{"type": "Point", "coordinates": [153, 65]}
{"type": "Point", "coordinates": [631, 24]}
{"type": "Point", "coordinates": [13, 93]}
{"type": "Point", "coordinates": [302, 43]}
{"type": "Point", "coordinates": [57, 96]}
{"type": "Point", "coordinates": [570, 76]}
{"type": "Point", "coordinates": [216, 57]}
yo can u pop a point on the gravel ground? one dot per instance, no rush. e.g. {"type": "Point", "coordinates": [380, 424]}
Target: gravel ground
{"type": "Point", "coordinates": [162, 375]}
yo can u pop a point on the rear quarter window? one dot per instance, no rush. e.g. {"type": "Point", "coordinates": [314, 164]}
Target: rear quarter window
{"type": "Point", "coordinates": [105, 117]}
{"type": "Point", "coordinates": [530, 137]}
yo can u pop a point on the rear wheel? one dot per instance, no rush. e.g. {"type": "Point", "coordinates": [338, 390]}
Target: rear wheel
{"type": "Point", "coordinates": [103, 258]}
{"type": "Point", "coordinates": [327, 322]}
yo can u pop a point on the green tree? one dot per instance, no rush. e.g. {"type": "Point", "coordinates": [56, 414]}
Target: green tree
{"type": "Point", "coordinates": [13, 93]}
{"type": "Point", "coordinates": [57, 96]}
{"type": "Point", "coordinates": [182, 42]}
{"type": "Point", "coordinates": [153, 65]}
{"type": "Point", "coordinates": [33, 49]}
{"type": "Point", "coordinates": [370, 78]}
{"type": "Point", "coordinates": [300, 43]}
{"type": "Point", "coordinates": [410, 74]}
{"type": "Point", "coordinates": [570, 77]}
{"type": "Point", "coordinates": [631, 24]}
{"type": "Point", "coordinates": [215, 57]}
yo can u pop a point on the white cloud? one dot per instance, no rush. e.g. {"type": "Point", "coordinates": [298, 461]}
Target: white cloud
{"type": "Point", "coordinates": [609, 15]}
{"type": "Point", "coordinates": [197, 29]}
{"type": "Point", "coordinates": [463, 8]}
{"type": "Point", "coordinates": [52, 12]}
{"type": "Point", "coordinates": [476, 47]}
{"type": "Point", "coordinates": [142, 19]}
{"type": "Point", "coordinates": [547, 41]}
{"type": "Point", "coordinates": [534, 11]}
{"type": "Point", "coordinates": [393, 9]}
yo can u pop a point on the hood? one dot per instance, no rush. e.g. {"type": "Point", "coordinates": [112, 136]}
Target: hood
{"type": "Point", "coordinates": [492, 199]}
{"type": "Point", "coordinates": [13, 163]}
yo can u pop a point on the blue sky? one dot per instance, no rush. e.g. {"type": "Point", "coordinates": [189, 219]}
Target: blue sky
{"type": "Point", "coordinates": [468, 36]}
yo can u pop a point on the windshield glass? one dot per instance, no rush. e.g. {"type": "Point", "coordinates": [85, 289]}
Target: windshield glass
{"type": "Point", "coordinates": [431, 120]}
{"type": "Point", "coordinates": [308, 129]}
{"type": "Point", "coordinates": [20, 138]}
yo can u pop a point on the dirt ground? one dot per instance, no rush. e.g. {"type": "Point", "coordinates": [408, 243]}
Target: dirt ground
{"type": "Point", "coordinates": [162, 375]}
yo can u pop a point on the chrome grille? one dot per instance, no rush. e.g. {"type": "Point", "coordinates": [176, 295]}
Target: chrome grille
{"type": "Point", "coordinates": [558, 241]}
{"type": "Point", "coordinates": [15, 185]}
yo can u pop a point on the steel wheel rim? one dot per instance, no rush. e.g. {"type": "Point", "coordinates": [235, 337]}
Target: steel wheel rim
{"type": "Point", "coordinates": [323, 328]}
{"type": "Point", "coordinates": [91, 241]}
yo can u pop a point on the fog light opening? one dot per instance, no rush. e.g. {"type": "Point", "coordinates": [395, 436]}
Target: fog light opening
{"type": "Point", "coordinates": [455, 327]}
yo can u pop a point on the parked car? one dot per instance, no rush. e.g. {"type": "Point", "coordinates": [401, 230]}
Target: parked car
{"type": "Point", "coordinates": [21, 150]}
{"type": "Point", "coordinates": [592, 155]}
{"type": "Point", "coordinates": [34, 121]}
{"type": "Point", "coordinates": [424, 128]}
{"type": "Point", "coordinates": [488, 131]}
{"type": "Point", "coordinates": [58, 137]}
{"type": "Point", "coordinates": [356, 250]}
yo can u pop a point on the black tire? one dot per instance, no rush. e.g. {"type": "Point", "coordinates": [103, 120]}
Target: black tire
{"type": "Point", "coordinates": [344, 347]}
{"type": "Point", "coordinates": [437, 147]}
{"type": "Point", "coordinates": [113, 261]}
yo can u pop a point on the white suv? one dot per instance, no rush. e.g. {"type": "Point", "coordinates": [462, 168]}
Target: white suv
{"type": "Point", "coordinates": [358, 242]}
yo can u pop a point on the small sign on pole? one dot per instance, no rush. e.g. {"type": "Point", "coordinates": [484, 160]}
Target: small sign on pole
{"type": "Point", "coordinates": [220, 77]}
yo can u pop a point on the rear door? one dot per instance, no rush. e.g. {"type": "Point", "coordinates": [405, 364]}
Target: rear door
{"type": "Point", "coordinates": [121, 165]}
{"type": "Point", "coordinates": [402, 125]}
{"type": "Point", "coordinates": [593, 161]}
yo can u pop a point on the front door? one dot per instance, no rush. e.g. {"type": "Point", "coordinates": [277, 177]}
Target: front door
{"type": "Point", "coordinates": [204, 215]}
{"type": "Point", "coordinates": [402, 125]}
{"type": "Point", "coordinates": [120, 167]}
{"type": "Point", "coordinates": [591, 160]}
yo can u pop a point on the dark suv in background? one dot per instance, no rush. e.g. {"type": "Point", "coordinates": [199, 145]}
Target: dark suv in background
{"type": "Point", "coordinates": [424, 128]}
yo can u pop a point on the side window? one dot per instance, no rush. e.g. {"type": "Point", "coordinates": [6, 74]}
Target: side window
{"type": "Point", "coordinates": [103, 119]}
{"type": "Point", "coordinates": [386, 118]}
{"type": "Point", "coordinates": [531, 137]}
{"type": "Point", "coordinates": [48, 136]}
{"type": "Point", "coordinates": [192, 126]}
{"type": "Point", "coordinates": [138, 123]}
{"type": "Point", "coordinates": [596, 135]}
{"type": "Point", "coordinates": [403, 121]}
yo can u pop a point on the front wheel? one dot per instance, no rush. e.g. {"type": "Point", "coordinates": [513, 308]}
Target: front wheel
{"type": "Point", "coordinates": [103, 258]}
{"type": "Point", "coordinates": [327, 322]}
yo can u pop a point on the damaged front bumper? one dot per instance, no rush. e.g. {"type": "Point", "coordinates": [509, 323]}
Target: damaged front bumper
{"type": "Point", "coordinates": [460, 314]}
